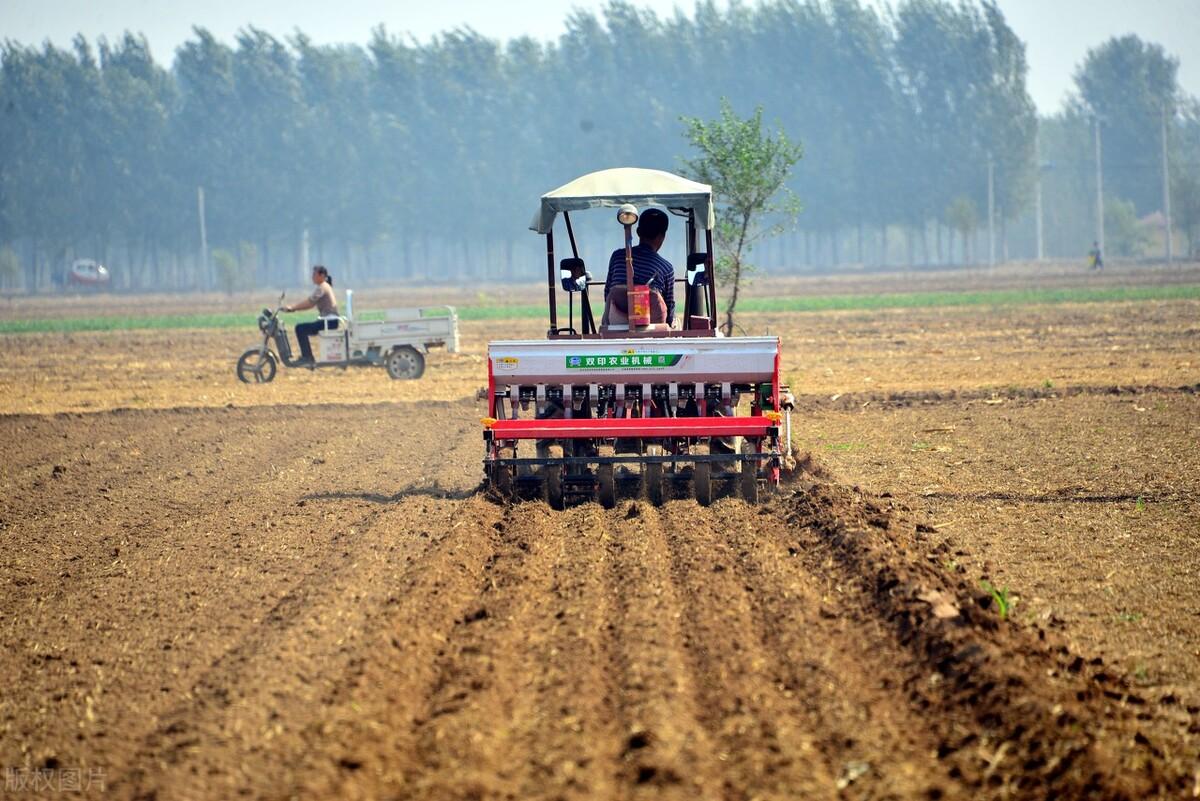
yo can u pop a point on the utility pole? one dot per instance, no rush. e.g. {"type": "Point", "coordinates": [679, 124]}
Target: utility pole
{"type": "Point", "coordinates": [1166, 176]}
{"type": "Point", "coordinates": [1037, 199]}
{"type": "Point", "coordinates": [204, 272]}
{"type": "Point", "coordinates": [991, 212]}
{"type": "Point", "coordinates": [304, 258]}
{"type": "Point", "coordinates": [1099, 191]}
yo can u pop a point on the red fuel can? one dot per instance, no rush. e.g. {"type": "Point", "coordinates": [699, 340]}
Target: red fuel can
{"type": "Point", "coordinates": [639, 306]}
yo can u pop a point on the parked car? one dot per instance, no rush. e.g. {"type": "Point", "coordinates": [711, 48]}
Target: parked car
{"type": "Point", "coordinates": [88, 272]}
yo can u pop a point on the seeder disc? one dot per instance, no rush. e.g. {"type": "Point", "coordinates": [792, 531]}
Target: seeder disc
{"type": "Point", "coordinates": [606, 485]}
{"type": "Point", "coordinates": [702, 482]}
{"type": "Point", "coordinates": [749, 482]}
{"type": "Point", "coordinates": [553, 486]}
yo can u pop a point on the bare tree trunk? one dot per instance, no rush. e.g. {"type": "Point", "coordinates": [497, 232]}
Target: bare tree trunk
{"type": "Point", "coordinates": [737, 275]}
{"type": "Point", "coordinates": [264, 263]}
{"type": "Point", "coordinates": [1003, 237]}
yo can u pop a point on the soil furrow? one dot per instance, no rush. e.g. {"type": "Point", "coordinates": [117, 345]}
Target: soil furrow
{"type": "Point", "coordinates": [568, 728]}
{"type": "Point", "coordinates": [660, 706]}
{"type": "Point", "coordinates": [521, 704]}
{"type": "Point", "coordinates": [833, 660]}
{"type": "Point", "coordinates": [257, 698]}
{"type": "Point", "coordinates": [312, 602]}
{"type": "Point", "coordinates": [364, 742]}
{"type": "Point", "coordinates": [855, 400]}
{"type": "Point", "coordinates": [1003, 732]}
{"type": "Point", "coordinates": [465, 740]}
{"type": "Point", "coordinates": [767, 739]}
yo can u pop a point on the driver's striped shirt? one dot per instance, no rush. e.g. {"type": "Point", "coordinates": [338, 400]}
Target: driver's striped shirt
{"type": "Point", "coordinates": [649, 268]}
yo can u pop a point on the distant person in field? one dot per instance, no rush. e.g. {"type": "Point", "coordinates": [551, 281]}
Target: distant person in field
{"type": "Point", "coordinates": [325, 303]}
{"type": "Point", "coordinates": [1095, 257]}
{"type": "Point", "coordinates": [649, 268]}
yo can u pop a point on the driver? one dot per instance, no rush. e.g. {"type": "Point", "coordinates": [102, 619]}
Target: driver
{"type": "Point", "coordinates": [327, 311]}
{"type": "Point", "coordinates": [649, 268]}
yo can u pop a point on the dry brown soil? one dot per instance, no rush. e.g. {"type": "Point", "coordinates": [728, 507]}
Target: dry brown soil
{"type": "Point", "coordinates": [216, 591]}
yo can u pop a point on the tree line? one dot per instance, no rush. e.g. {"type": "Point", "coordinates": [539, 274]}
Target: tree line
{"type": "Point", "coordinates": [423, 160]}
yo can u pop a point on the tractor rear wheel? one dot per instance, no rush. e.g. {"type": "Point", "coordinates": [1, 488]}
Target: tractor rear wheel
{"type": "Point", "coordinates": [607, 481]}
{"type": "Point", "coordinates": [405, 362]}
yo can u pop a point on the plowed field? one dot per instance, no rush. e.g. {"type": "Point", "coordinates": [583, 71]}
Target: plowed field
{"type": "Point", "coordinates": [301, 593]}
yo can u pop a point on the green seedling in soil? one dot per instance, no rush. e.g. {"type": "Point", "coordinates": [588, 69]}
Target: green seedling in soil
{"type": "Point", "coordinates": [1140, 505]}
{"type": "Point", "coordinates": [1048, 384]}
{"type": "Point", "coordinates": [845, 447]}
{"type": "Point", "coordinates": [1129, 617]}
{"type": "Point", "coordinates": [920, 446]}
{"type": "Point", "coordinates": [1004, 601]}
{"type": "Point", "coordinates": [1141, 673]}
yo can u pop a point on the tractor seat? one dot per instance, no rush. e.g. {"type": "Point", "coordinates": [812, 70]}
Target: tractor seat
{"type": "Point", "coordinates": [616, 310]}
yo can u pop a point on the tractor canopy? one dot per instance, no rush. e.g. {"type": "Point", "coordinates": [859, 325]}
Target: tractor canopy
{"type": "Point", "coordinates": [614, 187]}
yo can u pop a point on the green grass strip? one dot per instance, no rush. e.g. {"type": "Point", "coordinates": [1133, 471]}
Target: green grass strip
{"type": "Point", "coordinates": [121, 323]}
{"type": "Point", "coordinates": [797, 303]}
{"type": "Point", "coordinates": [991, 297]}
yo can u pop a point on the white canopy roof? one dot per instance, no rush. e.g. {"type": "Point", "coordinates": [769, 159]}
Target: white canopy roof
{"type": "Point", "coordinates": [612, 188]}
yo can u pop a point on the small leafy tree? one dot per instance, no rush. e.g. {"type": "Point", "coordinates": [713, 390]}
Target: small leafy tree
{"type": "Point", "coordinates": [248, 262]}
{"type": "Point", "coordinates": [1126, 237]}
{"type": "Point", "coordinates": [10, 266]}
{"type": "Point", "coordinates": [1185, 193]}
{"type": "Point", "coordinates": [227, 270]}
{"type": "Point", "coordinates": [963, 217]}
{"type": "Point", "coordinates": [747, 169]}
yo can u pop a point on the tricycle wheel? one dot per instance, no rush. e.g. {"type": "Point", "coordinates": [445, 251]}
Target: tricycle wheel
{"type": "Point", "coordinates": [405, 363]}
{"type": "Point", "coordinates": [256, 366]}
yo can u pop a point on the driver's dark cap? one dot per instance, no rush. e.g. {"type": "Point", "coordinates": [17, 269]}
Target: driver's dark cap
{"type": "Point", "coordinates": [652, 224]}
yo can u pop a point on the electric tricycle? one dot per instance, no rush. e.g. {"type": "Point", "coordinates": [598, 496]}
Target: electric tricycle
{"type": "Point", "coordinates": [398, 341]}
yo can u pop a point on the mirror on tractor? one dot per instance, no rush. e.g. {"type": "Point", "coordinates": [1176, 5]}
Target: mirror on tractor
{"type": "Point", "coordinates": [573, 275]}
{"type": "Point", "coordinates": [697, 269]}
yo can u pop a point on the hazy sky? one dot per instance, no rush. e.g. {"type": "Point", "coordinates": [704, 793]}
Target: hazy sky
{"type": "Point", "coordinates": [1057, 32]}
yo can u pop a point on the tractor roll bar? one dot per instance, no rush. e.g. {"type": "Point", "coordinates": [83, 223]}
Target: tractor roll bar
{"type": "Point", "coordinates": [550, 281]}
{"type": "Point", "coordinates": [690, 245]}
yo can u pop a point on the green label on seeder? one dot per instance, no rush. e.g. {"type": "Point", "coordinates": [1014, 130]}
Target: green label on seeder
{"type": "Point", "coordinates": [607, 362]}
